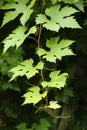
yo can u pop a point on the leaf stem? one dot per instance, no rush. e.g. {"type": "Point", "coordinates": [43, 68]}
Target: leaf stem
{"type": "Point", "coordinates": [33, 39]}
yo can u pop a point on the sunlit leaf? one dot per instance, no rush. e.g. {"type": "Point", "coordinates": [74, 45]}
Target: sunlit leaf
{"type": "Point", "coordinates": [26, 68]}
{"type": "Point", "coordinates": [56, 80]}
{"type": "Point", "coordinates": [33, 95]}
{"type": "Point", "coordinates": [56, 50]}
{"type": "Point", "coordinates": [58, 18]}
{"type": "Point", "coordinates": [54, 105]}
{"type": "Point", "coordinates": [18, 7]}
{"type": "Point", "coordinates": [17, 37]}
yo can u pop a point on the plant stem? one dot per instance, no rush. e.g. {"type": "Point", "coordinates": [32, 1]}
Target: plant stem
{"type": "Point", "coordinates": [39, 36]}
{"type": "Point", "coordinates": [39, 46]}
{"type": "Point", "coordinates": [40, 59]}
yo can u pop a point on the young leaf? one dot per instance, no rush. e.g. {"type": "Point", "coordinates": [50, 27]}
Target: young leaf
{"type": "Point", "coordinates": [17, 37]}
{"type": "Point", "coordinates": [58, 18]}
{"type": "Point", "coordinates": [20, 7]}
{"type": "Point", "coordinates": [57, 50]}
{"type": "Point", "coordinates": [26, 68]}
{"type": "Point", "coordinates": [56, 81]}
{"type": "Point", "coordinates": [54, 105]}
{"type": "Point", "coordinates": [33, 95]}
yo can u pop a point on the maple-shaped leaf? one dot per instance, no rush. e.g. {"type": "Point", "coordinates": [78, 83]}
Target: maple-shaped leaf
{"type": "Point", "coordinates": [26, 68]}
{"type": "Point", "coordinates": [54, 105]}
{"type": "Point", "coordinates": [48, 24]}
{"type": "Point", "coordinates": [58, 18]}
{"type": "Point", "coordinates": [33, 95]}
{"type": "Point", "coordinates": [17, 37]}
{"type": "Point", "coordinates": [57, 80]}
{"type": "Point", "coordinates": [18, 7]}
{"type": "Point", "coordinates": [56, 50]}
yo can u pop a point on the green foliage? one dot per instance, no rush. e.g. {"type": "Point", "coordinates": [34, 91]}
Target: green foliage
{"type": "Point", "coordinates": [39, 41]}
{"type": "Point", "coordinates": [17, 37]}
{"type": "Point", "coordinates": [26, 68]}
{"type": "Point", "coordinates": [33, 95]}
{"type": "Point", "coordinates": [58, 18]}
{"type": "Point", "coordinates": [22, 126]}
{"type": "Point", "coordinates": [20, 8]}
{"type": "Point", "coordinates": [54, 105]}
{"type": "Point", "coordinates": [57, 50]}
{"type": "Point", "coordinates": [56, 81]}
{"type": "Point", "coordinates": [43, 125]}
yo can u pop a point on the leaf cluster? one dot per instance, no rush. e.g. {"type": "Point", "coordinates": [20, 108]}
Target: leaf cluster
{"type": "Point", "coordinates": [32, 53]}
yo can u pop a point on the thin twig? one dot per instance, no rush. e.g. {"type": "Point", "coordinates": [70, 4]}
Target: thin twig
{"type": "Point", "coordinates": [33, 39]}
{"type": "Point", "coordinates": [29, 83]}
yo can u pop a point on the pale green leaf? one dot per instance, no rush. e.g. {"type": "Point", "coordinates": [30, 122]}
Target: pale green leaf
{"type": "Point", "coordinates": [48, 24]}
{"type": "Point", "coordinates": [33, 95]}
{"type": "Point", "coordinates": [17, 37]}
{"type": "Point", "coordinates": [20, 7]}
{"type": "Point", "coordinates": [54, 105]}
{"type": "Point", "coordinates": [58, 18]}
{"type": "Point", "coordinates": [56, 80]}
{"type": "Point", "coordinates": [32, 30]}
{"type": "Point", "coordinates": [78, 3]}
{"type": "Point", "coordinates": [26, 68]}
{"type": "Point", "coordinates": [57, 50]}
{"type": "Point", "coordinates": [27, 13]}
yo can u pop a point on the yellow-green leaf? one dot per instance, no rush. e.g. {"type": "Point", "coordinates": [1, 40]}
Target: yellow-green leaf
{"type": "Point", "coordinates": [56, 80]}
{"type": "Point", "coordinates": [33, 95]}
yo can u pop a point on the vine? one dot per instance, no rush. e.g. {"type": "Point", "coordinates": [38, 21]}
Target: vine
{"type": "Point", "coordinates": [33, 25]}
{"type": "Point", "coordinates": [58, 48]}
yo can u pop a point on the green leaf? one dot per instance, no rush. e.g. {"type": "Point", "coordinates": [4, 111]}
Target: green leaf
{"type": "Point", "coordinates": [56, 80]}
{"type": "Point", "coordinates": [80, 5]}
{"type": "Point", "coordinates": [54, 1]}
{"type": "Point", "coordinates": [32, 30]}
{"type": "Point", "coordinates": [10, 59]}
{"type": "Point", "coordinates": [58, 18]}
{"type": "Point", "coordinates": [17, 37]}
{"type": "Point", "coordinates": [54, 105]}
{"type": "Point", "coordinates": [5, 85]}
{"type": "Point", "coordinates": [26, 68]}
{"type": "Point", "coordinates": [64, 95]}
{"type": "Point", "coordinates": [57, 50]}
{"type": "Point", "coordinates": [43, 125]}
{"type": "Point", "coordinates": [22, 126]}
{"type": "Point", "coordinates": [20, 7]}
{"type": "Point", "coordinates": [69, 1]}
{"type": "Point", "coordinates": [48, 24]}
{"type": "Point", "coordinates": [33, 95]}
